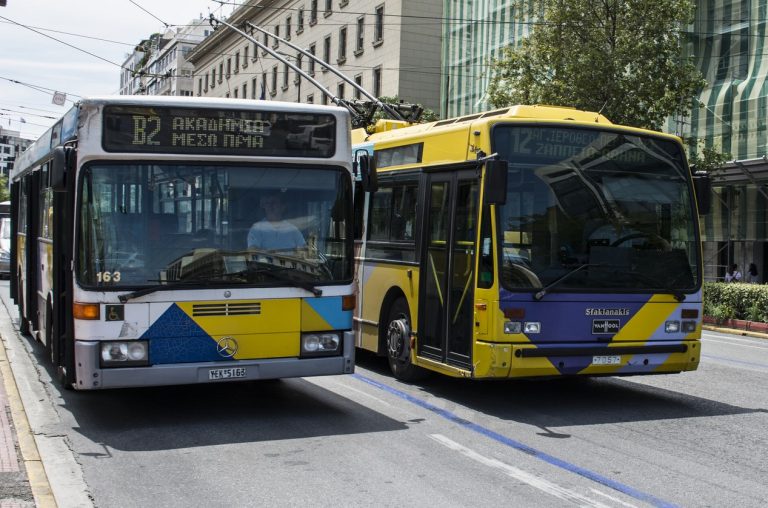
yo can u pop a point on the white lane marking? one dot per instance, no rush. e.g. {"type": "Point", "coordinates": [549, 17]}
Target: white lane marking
{"type": "Point", "coordinates": [345, 387]}
{"type": "Point", "coordinates": [534, 481]}
{"type": "Point", "coordinates": [710, 336]}
{"type": "Point", "coordinates": [614, 499]}
{"type": "Point", "coordinates": [764, 348]}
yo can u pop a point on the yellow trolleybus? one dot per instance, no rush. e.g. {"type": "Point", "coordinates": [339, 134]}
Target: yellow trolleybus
{"type": "Point", "coordinates": [530, 242]}
{"type": "Point", "coordinates": [183, 240]}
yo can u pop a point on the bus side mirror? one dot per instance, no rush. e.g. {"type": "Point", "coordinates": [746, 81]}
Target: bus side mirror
{"type": "Point", "coordinates": [702, 185]}
{"type": "Point", "coordinates": [368, 176]}
{"type": "Point", "coordinates": [63, 161]}
{"type": "Point", "coordinates": [495, 190]}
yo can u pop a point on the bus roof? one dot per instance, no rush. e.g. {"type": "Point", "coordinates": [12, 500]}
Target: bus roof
{"type": "Point", "coordinates": [449, 139]}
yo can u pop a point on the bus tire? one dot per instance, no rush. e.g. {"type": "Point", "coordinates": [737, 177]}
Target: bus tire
{"type": "Point", "coordinates": [398, 343]}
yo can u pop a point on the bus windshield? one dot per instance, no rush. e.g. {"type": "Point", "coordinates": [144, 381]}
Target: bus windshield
{"type": "Point", "coordinates": [595, 210]}
{"type": "Point", "coordinates": [148, 224]}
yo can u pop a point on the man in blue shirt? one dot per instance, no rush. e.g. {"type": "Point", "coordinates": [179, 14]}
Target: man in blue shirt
{"type": "Point", "coordinates": [272, 233]}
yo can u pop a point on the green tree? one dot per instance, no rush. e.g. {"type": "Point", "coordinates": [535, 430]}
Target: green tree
{"type": "Point", "coordinates": [623, 58]}
{"type": "Point", "coordinates": [706, 158]}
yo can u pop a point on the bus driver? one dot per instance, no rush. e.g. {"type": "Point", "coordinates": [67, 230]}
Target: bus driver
{"type": "Point", "coordinates": [272, 232]}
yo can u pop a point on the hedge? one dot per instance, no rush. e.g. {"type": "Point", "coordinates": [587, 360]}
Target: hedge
{"type": "Point", "coordinates": [736, 301]}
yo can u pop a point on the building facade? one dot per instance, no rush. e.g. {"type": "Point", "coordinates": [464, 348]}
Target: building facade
{"type": "Point", "coordinates": [729, 40]}
{"type": "Point", "coordinates": [159, 65]}
{"type": "Point", "coordinates": [388, 47]}
{"type": "Point", "coordinates": [11, 145]}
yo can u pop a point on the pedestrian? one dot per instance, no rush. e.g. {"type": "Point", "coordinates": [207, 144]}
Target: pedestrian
{"type": "Point", "coordinates": [733, 275]}
{"type": "Point", "coordinates": [752, 273]}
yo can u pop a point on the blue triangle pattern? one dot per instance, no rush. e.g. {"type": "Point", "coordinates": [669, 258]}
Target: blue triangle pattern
{"type": "Point", "coordinates": [176, 338]}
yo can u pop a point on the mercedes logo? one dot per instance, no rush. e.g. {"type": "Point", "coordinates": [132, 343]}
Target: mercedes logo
{"type": "Point", "coordinates": [226, 347]}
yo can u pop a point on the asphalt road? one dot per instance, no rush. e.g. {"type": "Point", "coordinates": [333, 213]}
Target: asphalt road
{"type": "Point", "coordinates": [693, 439]}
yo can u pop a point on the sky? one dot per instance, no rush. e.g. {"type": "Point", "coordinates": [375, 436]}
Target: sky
{"type": "Point", "coordinates": [108, 29]}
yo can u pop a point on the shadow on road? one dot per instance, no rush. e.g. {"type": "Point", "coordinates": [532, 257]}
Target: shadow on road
{"type": "Point", "coordinates": [162, 418]}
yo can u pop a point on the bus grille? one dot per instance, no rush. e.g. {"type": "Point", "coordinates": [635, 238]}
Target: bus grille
{"type": "Point", "coordinates": [226, 309]}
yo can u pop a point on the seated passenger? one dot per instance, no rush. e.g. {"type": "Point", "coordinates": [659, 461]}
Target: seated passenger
{"type": "Point", "coordinates": [272, 232]}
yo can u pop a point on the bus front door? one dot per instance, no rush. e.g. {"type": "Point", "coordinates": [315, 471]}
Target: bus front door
{"type": "Point", "coordinates": [447, 268]}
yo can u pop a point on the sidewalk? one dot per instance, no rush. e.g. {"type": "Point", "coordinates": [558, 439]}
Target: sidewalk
{"type": "Point", "coordinates": [734, 331]}
{"type": "Point", "coordinates": [23, 483]}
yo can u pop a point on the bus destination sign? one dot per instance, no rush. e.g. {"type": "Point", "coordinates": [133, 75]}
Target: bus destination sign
{"type": "Point", "coordinates": [140, 129]}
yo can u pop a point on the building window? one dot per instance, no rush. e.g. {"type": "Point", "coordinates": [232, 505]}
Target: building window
{"type": "Point", "coordinates": [236, 92]}
{"type": "Point", "coordinates": [273, 88]}
{"type": "Point", "coordinates": [313, 12]}
{"type": "Point", "coordinates": [229, 67]}
{"type": "Point", "coordinates": [221, 72]}
{"type": "Point", "coordinates": [324, 100]}
{"type": "Point", "coordinates": [285, 76]}
{"type": "Point", "coordinates": [340, 90]}
{"type": "Point", "coordinates": [377, 82]}
{"type": "Point", "coordinates": [253, 88]}
{"type": "Point", "coordinates": [245, 90]}
{"type": "Point", "coordinates": [200, 86]}
{"type": "Point", "coordinates": [328, 8]}
{"type": "Point", "coordinates": [297, 79]}
{"type": "Point", "coordinates": [266, 43]}
{"type": "Point", "coordinates": [237, 62]}
{"type": "Point", "coordinates": [360, 35]}
{"type": "Point", "coordinates": [288, 28]}
{"type": "Point", "coordinates": [378, 28]}
{"type": "Point", "coordinates": [358, 82]}
{"type": "Point", "coordinates": [213, 79]}
{"type": "Point", "coordinates": [245, 57]}
{"type": "Point", "coordinates": [342, 45]}
{"type": "Point", "coordinates": [300, 20]}
{"type": "Point", "coordinates": [255, 51]}
{"type": "Point", "coordinates": [275, 42]}
{"type": "Point", "coordinates": [311, 99]}
{"type": "Point", "coordinates": [326, 51]}
{"type": "Point", "coordinates": [313, 52]}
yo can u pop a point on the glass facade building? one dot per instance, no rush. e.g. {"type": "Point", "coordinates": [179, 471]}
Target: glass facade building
{"type": "Point", "coordinates": [729, 41]}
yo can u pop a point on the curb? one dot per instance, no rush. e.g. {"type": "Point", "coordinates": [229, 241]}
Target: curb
{"type": "Point", "coordinates": [38, 479]}
{"type": "Point", "coordinates": [734, 331]}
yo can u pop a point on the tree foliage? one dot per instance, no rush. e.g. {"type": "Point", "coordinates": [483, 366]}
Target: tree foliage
{"type": "Point", "coordinates": [707, 158]}
{"type": "Point", "coordinates": [623, 58]}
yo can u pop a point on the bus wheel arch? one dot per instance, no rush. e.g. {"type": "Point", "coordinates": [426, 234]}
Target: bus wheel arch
{"type": "Point", "coordinates": [395, 334]}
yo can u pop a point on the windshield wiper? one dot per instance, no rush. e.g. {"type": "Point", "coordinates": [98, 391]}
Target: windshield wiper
{"type": "Point", "coordinates": [160, 287]}
{"type": "Point", "coordinates": [677, 294]}
{"type": "Point", "coordinates": [543, 291]}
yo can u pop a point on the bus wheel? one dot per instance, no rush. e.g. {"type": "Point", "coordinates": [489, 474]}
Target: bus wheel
{"type": "Point", "coordinates": [398, 334]}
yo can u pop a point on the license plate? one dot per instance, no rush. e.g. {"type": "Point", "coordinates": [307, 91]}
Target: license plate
{"type": "Point", "coordinates": [228, 373]}
{"type": "Point", "coordinates": [606, 360]}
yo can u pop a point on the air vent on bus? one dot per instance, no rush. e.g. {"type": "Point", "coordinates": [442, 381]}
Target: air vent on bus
{"type": "Point", "coordinates": [226, 309]}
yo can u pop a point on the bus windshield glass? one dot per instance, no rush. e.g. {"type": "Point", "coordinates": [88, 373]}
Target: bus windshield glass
{"type": "Point", "coordinates": [595, 210]}
{"type": "Point", "coordinates": [149, 224]}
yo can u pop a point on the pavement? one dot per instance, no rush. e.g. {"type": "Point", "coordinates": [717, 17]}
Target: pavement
{"type": "Point", "coordinates": [23, 481]}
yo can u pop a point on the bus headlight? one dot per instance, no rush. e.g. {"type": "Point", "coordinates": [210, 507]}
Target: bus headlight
{"type": "Point", "coordinates": [320, 344]}
{"type": "Point", "coordinates": [133, 353]}
{"type": "Point", "coordinates": [672, 326]}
